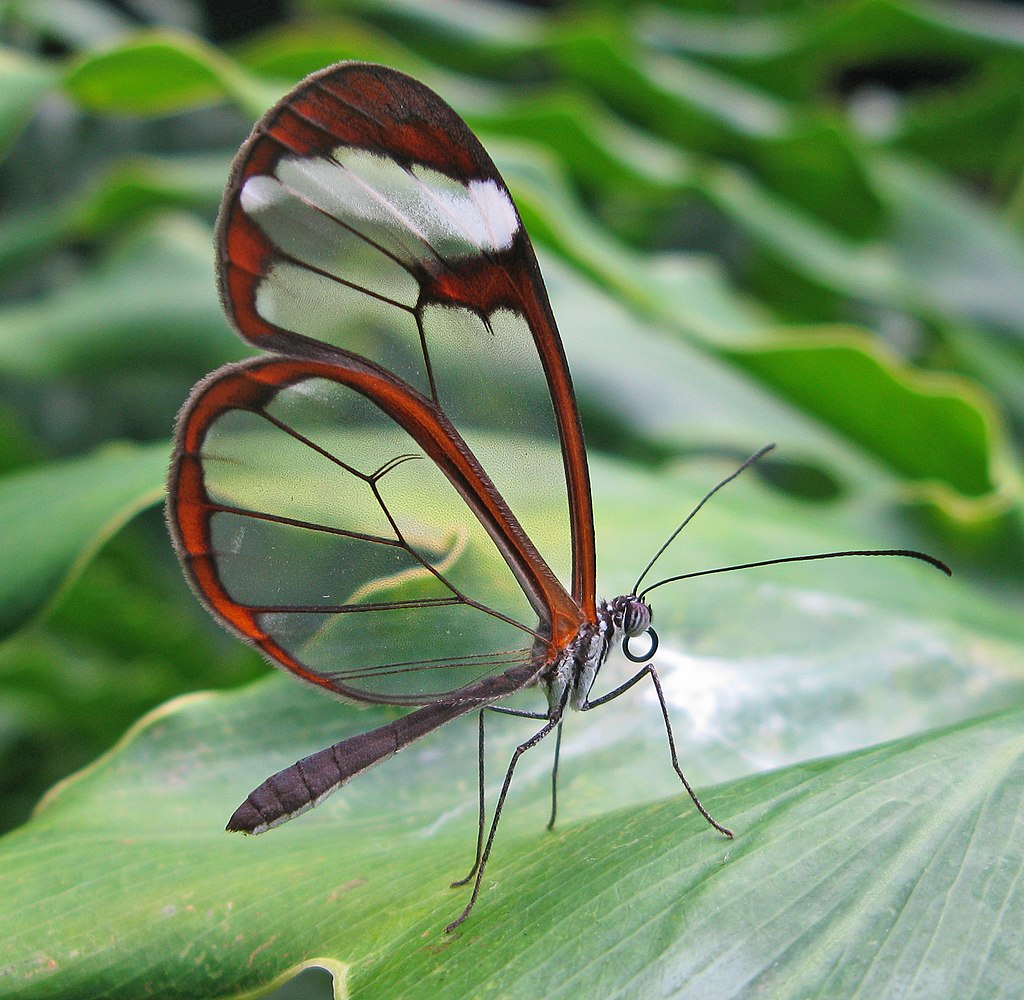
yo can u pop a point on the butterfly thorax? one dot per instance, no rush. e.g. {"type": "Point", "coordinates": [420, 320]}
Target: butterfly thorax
{"type": "Point", "coordinates": [577, 667]}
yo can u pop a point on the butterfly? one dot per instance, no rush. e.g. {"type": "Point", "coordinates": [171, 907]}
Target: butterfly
{"type": "Point", "coordinates": [359, 503]}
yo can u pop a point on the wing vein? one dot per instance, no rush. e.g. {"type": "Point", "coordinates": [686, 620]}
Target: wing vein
{"type": "Point", "coordinates": [394, 669]}
{"type": "Point", "coordinates": [294, 522]}
{"type": "Point", "coordinates": [346, 609]}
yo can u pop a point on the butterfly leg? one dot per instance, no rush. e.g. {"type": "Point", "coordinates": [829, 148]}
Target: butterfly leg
{"type": "Point", "coordinates": [554, 775]}
{"type": "Point", "coordinates": [482, 814]}
{"type": "Point", "coordinates": [649, 671]}
{"type": "Point", "coordinates": [551, 724]}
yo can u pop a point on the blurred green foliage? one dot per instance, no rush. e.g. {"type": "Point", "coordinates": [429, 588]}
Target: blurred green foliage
{"type": "Point", "coordinates": [799, 222]}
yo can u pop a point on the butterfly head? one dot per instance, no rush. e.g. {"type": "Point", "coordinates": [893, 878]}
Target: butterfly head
{"type": "Point", "coordinates": [631, 617]}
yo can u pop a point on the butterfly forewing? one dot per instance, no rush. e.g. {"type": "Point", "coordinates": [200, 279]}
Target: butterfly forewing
{"type": "Point", "coordinates": [363, 214]}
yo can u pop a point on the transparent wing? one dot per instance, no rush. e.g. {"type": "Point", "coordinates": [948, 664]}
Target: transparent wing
{"type": "Point", "coordinates": [363, 214]}
{"type": "Point", "coordinates": [331, 516]}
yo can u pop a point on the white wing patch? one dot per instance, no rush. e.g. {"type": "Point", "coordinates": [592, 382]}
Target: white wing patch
{"type": "Point", "coordinates": [411, 215]}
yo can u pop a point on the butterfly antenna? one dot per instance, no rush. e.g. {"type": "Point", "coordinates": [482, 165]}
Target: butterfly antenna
{"type": "Point", "coordinates": [760, 453]}
{"type": "Point", "coordinates": [907, 553]}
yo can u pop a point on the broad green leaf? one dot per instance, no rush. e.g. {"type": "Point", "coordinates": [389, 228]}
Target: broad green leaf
{"type": "Point", "coordinates": [939, 254]}
{"type": "Point", "coordinates": [680, 100]}
{"type": "Point", "coordinates": [153, 301]}
{"type": "Point", "coordinates": [953, 256]}
{"type": "Point", "coordinates": [733, 38]}
{"type": "Point", "coordinates": [995, 363]}
{"type": "Point", "coordinates": [132, 190]}
{"type": "Point", "coordinates": [17, 449]}
{"type": "Point", "coordinates": [160, 73]}
{"type": "Point", "coordinates": [812, 161]}
{"type": "Point", "coordinates": [142, 187]}
{"type": "Point", "coordinates": [671, 391]}
{"type": "Point", "coordinates": [851, 873]}
{"type": "Point", "coordinates": [690, 290]}
{"type": "Point", "coordinates": [74, 24]}
{"type": "Point", "coordinates": [148, 883]}
{"type": "Point", "coordinates": [23, 84]}
{"type": "Point", "coordinates": [55, 517]}
{"type": "Point", "coordinates": [598, 148]}
{"type": "Point", "coordinates": [801, 156]}
{"type": "Point", "coordinates": [469, 27]}
{"type": "Point", "coordinates": [295, 49]}
{"type": "Point", "coordinates": [125, 635]}
{"type": "Point", "coordinates": [966, 130]}
{"type": "Point", "coordinates": [897, 410]}
{"type": "Point", "coordinates": [796, 49]}
{"type": "Point", "coordinates": [947, 432]}
{"type": "Point", "coordinates": [875, 28]}
{"type": "Point", "coordinates": [803, 242]}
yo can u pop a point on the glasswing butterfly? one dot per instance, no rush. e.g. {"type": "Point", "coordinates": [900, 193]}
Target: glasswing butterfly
{"type": "Point", "coordinates": [328, 500]}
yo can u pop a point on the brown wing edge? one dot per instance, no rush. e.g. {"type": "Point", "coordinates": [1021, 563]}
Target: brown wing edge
{"type": "Point", "coordinates": [250, 385]}
{"type": "Point", "coordinates": [375, 107]}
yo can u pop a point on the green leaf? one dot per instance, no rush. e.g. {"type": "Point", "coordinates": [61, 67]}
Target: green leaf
{"type": "Point", "coordinates": [464, 30]}
{"type": "Point", "coordinates": [966, 129]}
{"type": "Point", "coordinates": [133, 190]}
{"type": "Point", "coordinates": [150, 75]}
{"type": "Point", "coordinates": [850, 873]}
{"type": "Point", "coordinates": [600, 150]}
{"type": "Point", "coordinates": [681, 100]}
{"type": "Point", "coordinates": [55, 518]}
{"type": "Point", "coordinates": [153, 300]}
{"type": "Point", "coordinates": [827, 851]}
{"type": "Point", "coordinates": [940, 253]}
{"type": "Point", "coordinates": [140, 187]}
{"type": "Point", "coordinates": [24, 82]}
{"type": "Point", "coordinates": [159, 73]}
{"type": "Point", "coordinates": [995, 363]}
{"type": "Point", "coordinates": [822, 374]}
{"type": "Point", "coordinates": [125, 635]}
{"type": "Point", "coordinates": [808, 164]}
{"type": "Point", "coordinates": [688, 292]}
{"type": "Point", "coordinates": [946, 448]}
{"type": "Point", "coordinates": [295, 49]}
{"type": "Point", "coordinates": [953, 256]}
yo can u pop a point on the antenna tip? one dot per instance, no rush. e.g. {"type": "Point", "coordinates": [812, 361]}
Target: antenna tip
{"type": "Point", "coordinates": [924, 557]}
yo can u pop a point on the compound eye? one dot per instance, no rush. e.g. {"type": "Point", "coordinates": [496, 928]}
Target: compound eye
{"type": "Point", "coordinates": [643, 657]}
{"type": "Point", "coordinates": [636, 617]}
